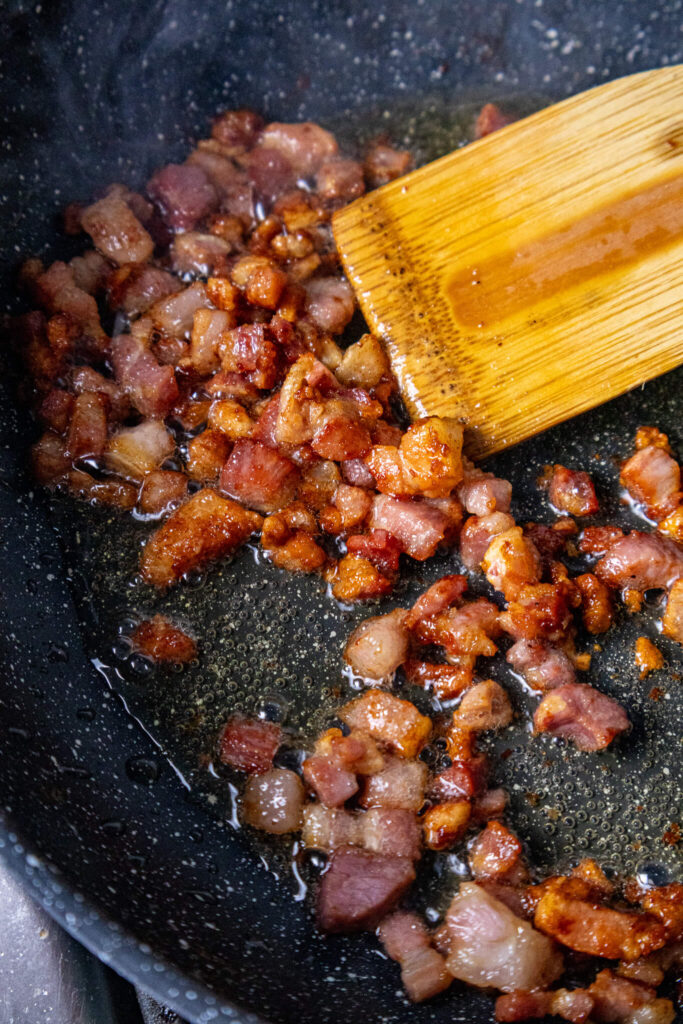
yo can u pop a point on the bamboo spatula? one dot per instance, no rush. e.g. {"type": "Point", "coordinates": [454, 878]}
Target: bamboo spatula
{"type": "Point", "coordinates": [537, 272]}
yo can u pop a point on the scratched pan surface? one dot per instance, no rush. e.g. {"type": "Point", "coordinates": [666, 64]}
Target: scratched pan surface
{"type": "Point", "coordinates": [115, 814]}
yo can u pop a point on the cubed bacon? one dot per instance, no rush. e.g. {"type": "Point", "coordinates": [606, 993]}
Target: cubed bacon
{"type": "Point", "coordinates": [383, 163]}
{"type": "Point", "coordinates": [87, 433]}
{"type": "Point", "coordinates": [57, 292]}
{"type": "Point", "coordinates": [209, 327]}
{"type": "Point", "coordinates": [417, 526]}
{"type": "Point", "coordinates": [579, 713]}
{"type": "Point", "coordinates": [620, 1000]}
{"type": "Point", "coordinates": [354, 505]}
{"type": "Point", "coordinates": [665, 902]}
{"type": "Point", "coordinates": [249, 350]}
{"type": "Point", "coordinates": [445, 681]}
{"type": "Point", "coordinates": [596, 540]}
{"type": "Point", "coordinates": [544, 667]}
{"type": "Point", "coordinates": [482, 493]}
{"type": "Point", "coordinates": [462, 781]}
{"type": "Point", "coordinates": [428, 460]}
{"type": "Point", "coordinates": [363, 365]}
{"type": "Point", "coordinates": [169, 351]}
{"type": "Point", "coordinates": [378, 645]}
{"type": "Point", "coordinates": [55, 410]}
{"type": "Point", "coordinates": [329, 828]}
{"type": "Point", "coordinates": [249, 744]}
{"type": "Point", "coordinates": [399, 784]}
{"type": "Point", "coordinates": [234, 190]}
{"type": "Point", "coordinates": [270, 173]}
{"type": "Point", "coordinates": [84, 378]}
{"type": "Point", "coordinates": [231, 418]}
{"type": "Point", "coordinates": [477, 534]}
{"type": "Point", "coordinates": [467, 630]}
{"type": "Point", "coordinates": [549, 543]}
{"type": "Point", "coordinates": [423, 969]}
{"type": "Point", "coordinates": [672, 620]}
{"type": "Point", "coordinates": [231, 385]}
{"type": "Point", "coordinates": [590, 872]}
{"type": "Point", "coordinates": [388, 831]}
{"type": "Point", "coordinates": [357, 752]}
{"type": "Point", "coordinates": [259, 476]}
{"type": "Point", "coordinates": [330, 303]}
{"type": "Point", "coordinates": [49, 460]}
{"type": "Point", "coordinates": [134, 451]}
{"type": "Point", "coordinates": [273, 801]}
{"type": "Point", "coordinates": [339, 435]}
{"type": "Point", "coordinates": [355, 472]}
{"type": "Point", "coordinates": [175, 314]}
{"type": "Point", "coordinates": [485, 706]}
{"type": "Point", "coordinates": [290, 547]}
{"type": "Point", "coordinates": [540, 610]}
{"type": "Point", "coordinates": [495, 854]}
{"type": "Point", "coordinates": [360, 888]}
{"type": "Point", "coordinates": [445, 824]}
{"type": "Point", "coordinates": [491, 947]}
{"type": "Point", "coordinates": [305, 145]}
{"type": "Point", "coordinates": [489, 119]}
{"type": "Point", "coordinates": [205, 528]}
{"type": "Point", "coordinates": [151, 388]}
{"type": "Point", "coordinates": [357, 579]}
{"type": "Point", "coordinates": [183, 193]}
{"type": "Point", "coordinates": [91, 271]}
{"type": "Point", "coordinates": [206, 455]}
{"type": "Point", "coordinates": [237, 129]}
{"type": "Point", "coordinates": [134, 287]}
{"type": "Point", "coordinates": [641, 561]}
{"type": "Point", "coordinates": [574, 1005]}
{"type": "Point", "coordinates": [116, 493]}
{"type": "Point", "coordinates": [162, 490]}
{"type": "Point", "coordinates": [572, 491]}
{"type": "Point", "coordinates": [161, 640]}
{"type": "Point", "coordinates": [340, 180]}
{"type": "Point", "coordinates": [378, 547]}
{"type": "Point", "coordinates": [195, 252]}
{"type": "Point", "coordinates": [568, 911]}
{"type": "Point", "coordinates": [511, 560]}
{"type": "Point", "coordinates": [653, 478]}
{"type": "Point", "coordinates": [116, 231]}
{"type": "Point", "coordinates": [446, 591]}
{"type": "Point", "coordinates": [393, 721]}
{"type": "Point", "coordinates": [332, 783]}
{"type": "Point", "coordinates": [141, 207]}
{"type": "Point", "coordinates": [597, 610]}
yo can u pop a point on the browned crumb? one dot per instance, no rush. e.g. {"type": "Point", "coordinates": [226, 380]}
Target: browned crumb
{"type": "Point", "coordinates": [633, 599]}
{"type": "Point", "coordinates": [672, 836]}
{"type": "Point", "coordinates": [647, 657]}
{"type": "Point", "coordinates": [656, 693]}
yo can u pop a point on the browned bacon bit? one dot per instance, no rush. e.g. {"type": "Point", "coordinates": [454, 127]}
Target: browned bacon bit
{"type": "Point", "coordinates": [259, 476]}
{"type": "Point", "coordinates": [379, 548]}
{"type": "Point", "coordinates": [489, 119]}
{"type": "Point", "coordinates": [87, 432]}
{"type": "Point", "coordinates": [249, 744]}
{"type": "Point", "coordinates": [572, 491]}
{"type": "Point", "coordinates": [378, 645]}
{"type": "Point", "coordinates": [641, 561]}
{"type": "Point", "coordinates": [273, 801]}
{"type": "Point", "coordinates": [646, 436]}
{"type": "Point", "coordinates": [392, 832]}
{"type": "Point", "coordinates": [446, 591]}
{"type": "Point", "coordinates": [356, 752]}
{"type": "Point", "coordinates": [383, 163]}
{"type": "Point", "coordinates": [580, 713]}
{"type": "Point", "coordinates": [672, 526]}
{"type": "Point", "coordinates": [360, 888]}
{"type": "Point", "coordinates": [116, 231]}
{"type": "Point", "coordinates": [485, 706]}
{"type": "Point", "coordinates": [161, 491]}
{"type": "Point", "coordinates": [134, 452]}
{"type": "Point", "coordinates": [544, 667]}
{"type": "Point", "coordinates": [490, 804]}
{"type": "Point", "coordinates": [596, 540]}
{"type": "Point", "coordinates": [428, 460]}
{"type": "Point", "coordinates": [330, 781]}
{"type": "Point", "coordinates": [597, 611]}
{"type": "Point", "coordinates": [161, 640]}
{"type": "Point", "coordinates": [618, 999]}
{"type": "Point", "coordinates": [491, 947]}
{"type": "Point", "coordinates": [568, 910]}
{"type": "Point", "coordinates": [666, 903]}
{"type": "Point", "coordinates": [672, 621]}
{"type": "Point", "coordinates": [203, 529]}
{"type": "Point", "coordinates": [463, 631]}
{"type": "Point", "coordinates": [548, 542]}
{"type": "Point", "coordinates": [416, 525]}
{"type": "Point", "coordinates": [592, 873]}
{"type": "Point", "coordinates": [445, 824]}
{"type": "Point", "coordinates": [496, 854]}
{"type": "Point", "coordinates": [464, 779]}
{"type": "Point", "coordinates": [477, 534]}
{"type": "Point", "coordinates": [445, 681]}
{"type": "Point", "coordinates": [152, 388]}
{"type": "Point", "coordinates": [540, 610]}
{"type": "Point", "coordinates": [290, 548]}
{"type": "Point", "coordinates": [653, 478]}
{"type": "Point", "coordinates": [355, 578]}
{"type": "Point", "coordinates": [423, 969]}
{"type": "Point", "coordinates": [482, 493]}
{"type": "Point", "coordinates": [393, 721]}
{"type": "Point", "coordinates": [647, 657]}
{"type": "Point", "coordinates": [510, 562]}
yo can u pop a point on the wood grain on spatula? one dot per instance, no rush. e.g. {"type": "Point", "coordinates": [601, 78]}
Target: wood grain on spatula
{"type": "Point", "coordinates": [537, 272]}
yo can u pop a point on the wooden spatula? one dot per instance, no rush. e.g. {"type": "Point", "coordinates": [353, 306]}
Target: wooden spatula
{"type": "Point", "coordinates": [536, 273]}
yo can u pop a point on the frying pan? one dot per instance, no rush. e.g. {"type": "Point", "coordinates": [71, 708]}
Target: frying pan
{"type": "Point", "coordinates": [114, 813]}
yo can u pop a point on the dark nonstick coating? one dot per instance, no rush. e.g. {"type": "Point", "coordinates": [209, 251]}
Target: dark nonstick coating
{"type": "Point", "coordinates": [148, 873]}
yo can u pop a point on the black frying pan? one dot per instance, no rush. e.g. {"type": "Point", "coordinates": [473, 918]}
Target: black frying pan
{"type": "Point", "coordinates": [96, 765]}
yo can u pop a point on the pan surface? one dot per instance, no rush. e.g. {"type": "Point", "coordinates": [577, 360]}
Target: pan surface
{"type": "Point", "coordinates": [113, 815]}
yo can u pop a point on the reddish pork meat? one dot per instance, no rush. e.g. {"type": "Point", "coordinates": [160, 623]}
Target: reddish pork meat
{"type": "Point", "coordinates": [378, 646]}
{"type": "Point", "coordinates": [653, 478]}
{"type": "Point", "coordinates": [423, 969]}
{"type": "Point", "coordinates": [544, 667]}
{"type": "Point", "coordinates": [572, 491]}
{"type": "Point", "coordinates": [249, 744]}
{"type": "Point", "coordinates": [579, 713]}
{"type": "Point", "coordinates": [161, 640]}
{"type": "Point", "coordinates": [641, 561]}
{"type": "Point", "coordinates": [273, 801]}
{"type": "Point", "coordinates": [360, 888]}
